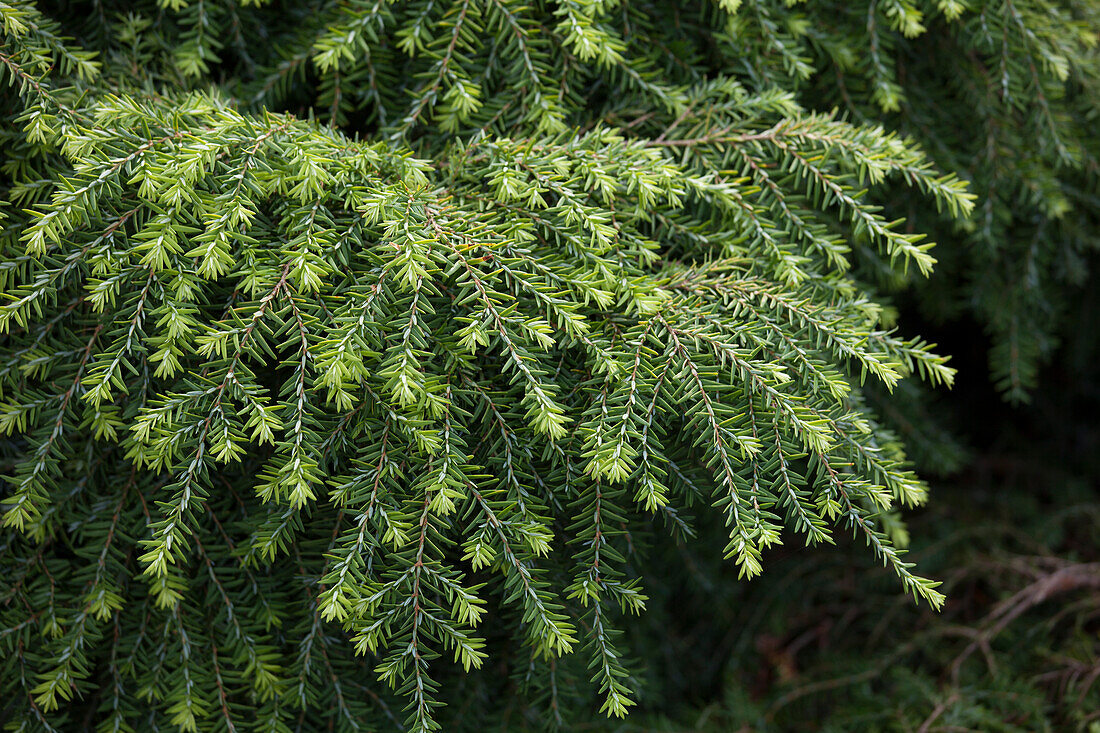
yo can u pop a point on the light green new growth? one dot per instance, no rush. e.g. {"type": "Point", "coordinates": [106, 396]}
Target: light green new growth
{"type": "Point", "coordinates": [410, 375]}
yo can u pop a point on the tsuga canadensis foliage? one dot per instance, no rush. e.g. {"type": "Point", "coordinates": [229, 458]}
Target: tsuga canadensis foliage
{"type": "Point", "coordinates": [356, 354]}
{"type": "Point", "coordinates": [1007, 94]}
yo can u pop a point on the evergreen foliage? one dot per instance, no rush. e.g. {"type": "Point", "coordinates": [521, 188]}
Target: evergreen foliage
{"type": "Point", "coordinates": [352, 347]}
{"type": "Point", "coordinates": [1014, 649]}
{"type": "Point", "coordinates": [1005, 93]}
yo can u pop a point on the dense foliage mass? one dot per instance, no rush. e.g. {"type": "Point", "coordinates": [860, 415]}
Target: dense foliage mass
{"type": "Point", "coordinates": [358, 356]}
